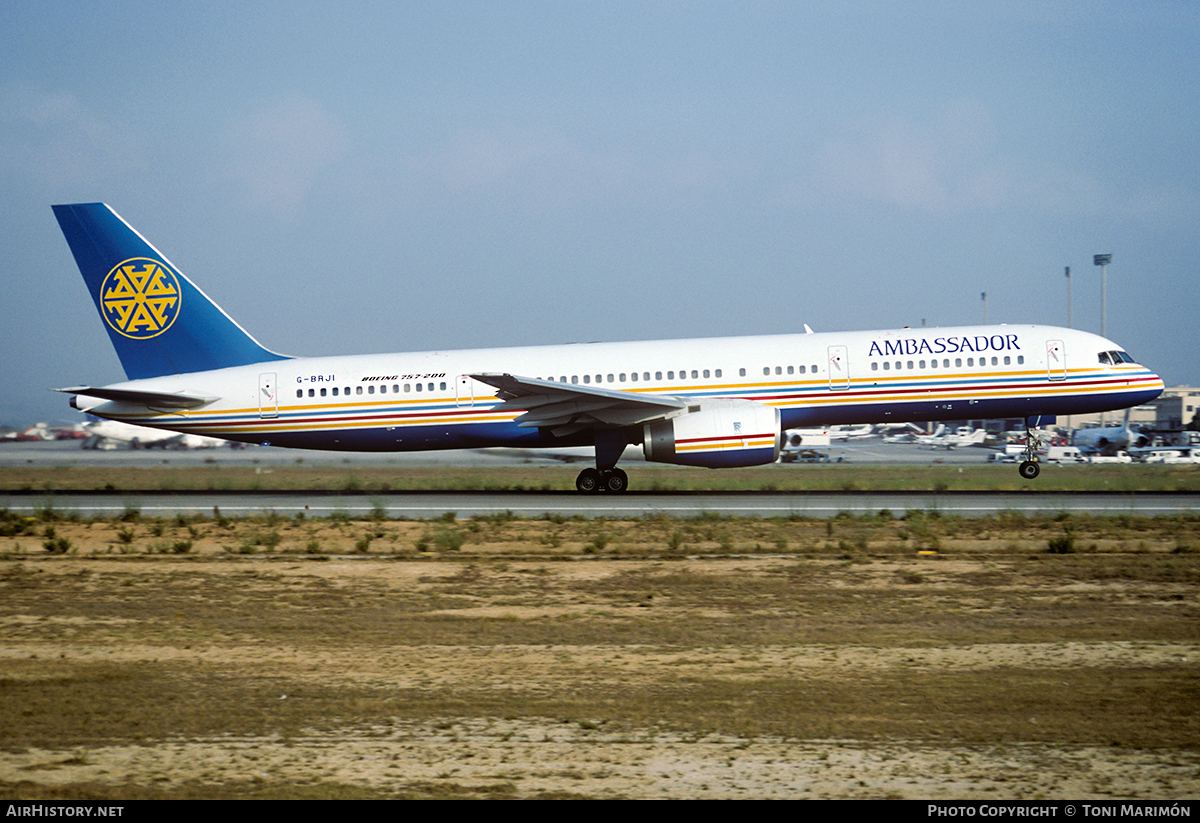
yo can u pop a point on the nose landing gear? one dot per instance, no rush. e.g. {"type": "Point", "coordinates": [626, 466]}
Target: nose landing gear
{"type": "Point", "coordinates": [1030, 468]}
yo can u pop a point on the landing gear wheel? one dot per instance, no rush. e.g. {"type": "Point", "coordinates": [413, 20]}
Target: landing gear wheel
{"type": "Point", "coordinates": [615, 480]}
{"type": "Point", "coordinates": [1029, 468]}
{"type": "Point", "coordinates": [589, 480]}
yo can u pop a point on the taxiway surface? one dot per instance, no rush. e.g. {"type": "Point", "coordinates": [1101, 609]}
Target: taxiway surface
{"type": "Point", "coordinates": [428, 504]}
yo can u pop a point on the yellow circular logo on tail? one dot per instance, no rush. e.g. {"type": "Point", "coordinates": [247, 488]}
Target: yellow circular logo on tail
{"type": "Point", "coordinates": [141, 298]}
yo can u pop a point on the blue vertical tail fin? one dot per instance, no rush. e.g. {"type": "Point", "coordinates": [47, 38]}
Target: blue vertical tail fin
{"type": "Point", "coordinates": [159, 322]}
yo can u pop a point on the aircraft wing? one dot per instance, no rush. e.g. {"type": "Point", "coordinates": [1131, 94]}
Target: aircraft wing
{"type": "Point", "coordinates": [566, 408]}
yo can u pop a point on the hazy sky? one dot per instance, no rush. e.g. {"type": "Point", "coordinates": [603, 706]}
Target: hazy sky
{"type": "Point", "coordinates": [362, 177]}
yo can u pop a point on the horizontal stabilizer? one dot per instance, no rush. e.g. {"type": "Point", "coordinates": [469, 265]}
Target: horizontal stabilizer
{"type": "Point", "coordinates": [151, 399]}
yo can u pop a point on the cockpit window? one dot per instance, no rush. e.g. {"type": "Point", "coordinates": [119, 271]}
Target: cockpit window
{"type": "Point", "coordinates": [1115, 358]}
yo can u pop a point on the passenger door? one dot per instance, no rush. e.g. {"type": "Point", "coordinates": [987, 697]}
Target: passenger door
{"type": "Point", "coordinates": [839, 368]}
{"type": "Point", "coordinates": [1056, 360]}
{"type": "Point", "coordinates": [464, 390]}
{"type": "Point", "coordinates": [268, 396]}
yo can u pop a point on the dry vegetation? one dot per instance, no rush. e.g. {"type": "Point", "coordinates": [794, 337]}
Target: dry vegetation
{"type": "Point", "coordinates": [899, 655]}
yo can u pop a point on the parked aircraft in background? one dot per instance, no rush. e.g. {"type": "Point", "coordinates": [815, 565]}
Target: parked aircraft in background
{"type": "Point", "coordinates": [901, 432]}
{"type": "Point", "coordinates": [113, 434]}
{"type": "Point", "coordinates": [796, 438]}
{"type": "Point", "coordinates": [708, 402]}
{"type": "Point", "coordinates": [840, 433]}
{"type": "Point", "coordinates": [930, 439]}
{"type": "Point", "coordinates": [1108, 440]}
{"type": "Point", "coordinates": [43, 431]}
{"type": "Point", "coordinates": [960, 438]}
{"type": "Point", "coordinates": [803, 441]}
{"type": "Point", "coordinates": [34, 433]}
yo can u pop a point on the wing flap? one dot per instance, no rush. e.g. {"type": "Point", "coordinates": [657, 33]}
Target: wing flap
{"type": "Point", "coordinates": [568, 408]}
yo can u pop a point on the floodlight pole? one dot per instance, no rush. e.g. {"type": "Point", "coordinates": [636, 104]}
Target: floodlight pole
{"type": "Point", "coordinates": [1070, 319]}
{"type": "Point", "coordinates": [1070, 325]}
{"type": "Point", "coordinates": [1102, 260]}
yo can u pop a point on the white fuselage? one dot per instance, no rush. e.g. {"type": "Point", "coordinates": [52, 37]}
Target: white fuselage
{"type": "Point", "coordinates": [428, 400]}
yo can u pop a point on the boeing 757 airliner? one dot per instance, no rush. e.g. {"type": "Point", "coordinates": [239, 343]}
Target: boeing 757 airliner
{"type": "Point", "coordinates": [710, 402]}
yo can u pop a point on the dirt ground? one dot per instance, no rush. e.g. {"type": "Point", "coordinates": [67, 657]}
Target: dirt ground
{"type": "Point", "coordinates": [514, 659]}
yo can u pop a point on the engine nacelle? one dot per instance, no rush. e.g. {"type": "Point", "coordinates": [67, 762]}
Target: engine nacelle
{"type": "Point", "coordinates": [716, 434]}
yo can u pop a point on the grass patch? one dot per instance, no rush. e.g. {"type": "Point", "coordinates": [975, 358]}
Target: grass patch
{"type": "Point", "coordinates": [373, 480]}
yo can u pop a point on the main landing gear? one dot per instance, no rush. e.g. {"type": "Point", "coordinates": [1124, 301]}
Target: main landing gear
{"type": "Point", "coordinates": [606, 477]}
{"type": "Point", "coordinates": [608, 480]}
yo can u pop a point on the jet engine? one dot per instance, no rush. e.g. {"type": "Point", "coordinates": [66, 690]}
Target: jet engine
{"type": "Point", "coordinates": [716, 434]}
